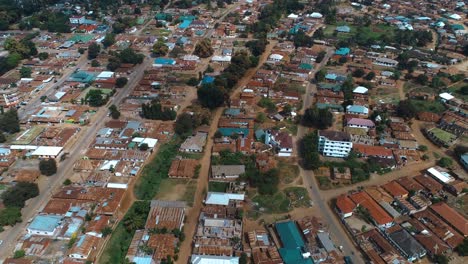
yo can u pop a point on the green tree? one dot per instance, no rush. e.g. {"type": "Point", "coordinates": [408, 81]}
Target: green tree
{"type": "Point", "coordinates": [193, 81]}
{"type": "Point", "coordinates": [93, 50]}
{"type": "Point", "coordinates": [370, 76]}
{"type": "Point", "coordinates": [441, 259]}
{"type": "Point", "coordinates": [67, 182]}
{"type": "Point", "coordinates": [129, 55]}
{"type": "Point", "coordinates": [160, 48]}
{"type": "Point", "coordinates": [43, 55]}
{"type": "Point", "coordinates": [143, 147]}
{"type": "Point", "coordinates": [422, 79]}
{"type": "Point", "coordinates": [319, 118]}
{"type": "Point", "coordinates": [10, 216]}
{"type": "Point", "coordinates": [406, 109]}
{"type": "Point", "coordinates": [109, 40]}
{"type": "Point", "coordinates": [203, 48]}
{"type": "Point", "coordinates": [155, 111]}
{"type": "Point", "coordinates": [19, 254]}
{"type": "Point", "coordinates": [445, 162]}
{"type": "Point", "coordinates": [113, 63]}
{"type": "Point", "coordinates": [106, 231]}
{"type": "Point", "coordinates": [308, 151]}
{"type": "Point", "coordinates": [184, 124]}
{"type": "Point", "coordinates": [462, 249]}
{"type": "Point", "coordinates": [16, 196]}
{"type": "Point", "coordinates": [114, 112]}
{"type": "Point", "coordinates": [358, 73]}
{"type": "Point", "coordinates": [121, 82]}
{"type": "Point", "coordinates": [261, 117]}
{"type": "Point", "coordinates": [320, 75]}
{"type": "Point", "coordinates": [25, 72]}
{"type": "Point", "coordinates": [210, 96]}
{"type": "Point", "coordinates": [94, 98]}
{"type": "Point", "coordinates": [243, 258]}
{"type": "Point", "coordinates": [95, 63]}
{"type": "Point", "coordinates": [2, 138]}
{"type": "Point", "coordinates": [320, 56]}
{"type": "Point", "coordinates": [48, 167]}
{"type": "Point", "coordinates": [9, 122]}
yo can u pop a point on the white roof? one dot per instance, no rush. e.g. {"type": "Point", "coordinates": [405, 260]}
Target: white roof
{"type": "Point", "coordinates": [59, 95]}
{"type": "Point", "coordinates": [105, 75]}
{"type": "Point", "coordinates": [150, 141]}
{"type": "Point", "coordinates": [446, 96]}
{"type": "Point", "coordinates": [292, 15]}
{"type": "Point", "coordinates": [108, 164]}
{"type": "Point", "coordinates": [221, 58]}
{"type": "Point", "coordinates": [20, 147]}
{"type": "Point", "coordinates": [205, 259]}
{"type": "Point", "coordinates": [276, 56]}
{"type": "Point", "coordinates": [360, 90]}
{"type": "Point", "coordinates": [441, 176]}
{"type": "Point", "coordinates": [455, 16]}
{"type": "Point", "coordinates": [47, 151]}
{"type": "Point", "coordinates": [218, 198]}
{"type": "Point", "coordinates": [316, 15]}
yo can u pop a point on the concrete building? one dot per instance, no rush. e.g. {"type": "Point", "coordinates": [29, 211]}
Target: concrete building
{"type": "Point", "coordinates": [334, 143]}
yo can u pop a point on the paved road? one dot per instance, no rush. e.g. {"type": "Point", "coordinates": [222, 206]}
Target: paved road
{"type": "Point", "coordinates": [337, 232]}
{"type": "Point", "coordinates": [85, 138]}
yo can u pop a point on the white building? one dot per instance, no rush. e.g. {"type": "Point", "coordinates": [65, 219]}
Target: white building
{"type": "Point", "coordinates": [77, 19]}
{"type": "Point", "coordinates": [44, 225]}
{"type": "Point", "coordinates": [385, 62]}
{"type": "Point", "coordinates": [206, 259]}
{"type": "Point", "coordinates": [47, 152]}
{"type": "Point", "coordinates": [334, 143]}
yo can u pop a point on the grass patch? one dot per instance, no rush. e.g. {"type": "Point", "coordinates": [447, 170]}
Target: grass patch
{"type": "Point", "coordinates": [148, 185]}
{"type": "Point", "coordinates": [443, 135]}
{"type": "Point", "coordinates": [428, 106]}
{"type": "Point", "coordinates": [217, 186]}
{"type": "Point", "coordinates": [190, 190]}
{"type": "Point", "coordinates": [456, 90]}
{"type": "Point", "coordinates": [298, 196]}
{"type": "Point", "coordinates": [324, 182]}
{"type": "Point", "coordinates": [117, 247]}
{"type": "Point", "coordinates": [288, 172]}
{"type": "Point", "coordinates": [273, 204]}
{"type": "Point", "coordinates": [196, 156]}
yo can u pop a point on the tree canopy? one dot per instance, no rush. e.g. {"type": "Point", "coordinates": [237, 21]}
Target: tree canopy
{"type": "Point", "coordinates": [17, 195]}
{"type": "Point", "coordinates": [9, 122]}
{"type": "Point", "coordinates": [319, 118]}
{"type": "Point", "coordinates": [210, 96]}
{"type": "Point", "coordinates": [48, 167]}
{"type": "Point", "coordinates": [203, 49]}
{"type": "Point", "coordinates": [155, 111]}
{"type": "Point", "coordinates": [93, 50]}
{"type": "Point", "coordinates": [95, 98]}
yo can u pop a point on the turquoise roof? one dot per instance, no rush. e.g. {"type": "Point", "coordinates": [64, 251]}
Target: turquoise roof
{"type": "Point", "coordinates": [305, 66]}
{"type": "Point", "coordinates": [342, 51]}
{"type": "Point", "coordinates": [345, 29]}
{"type": "Point", "coordinates": [46, 223]}
{"type": "Point", "coordinates": [232, 111]}
{"type": "Point", "coordinates": [143, 260]}
{"type": "Point", "coordinates": [357, 109]}
{"type": "Point", "coordinates": [165, 61]}
{"type": "Point", "coordinates": [82, 77]}
{"type": "Point", "coordinates": [457, 27]}
{"type": "Point", "coordinates": [185, 24]}
{"type": "Point", "coordinates": [228, 131]}
{"type": "Point", "coordinates": [289, 234]}
{"type": "Point", "coordinates": [293, 256]}
{"type": "Point", "coordinates": [332, 106]}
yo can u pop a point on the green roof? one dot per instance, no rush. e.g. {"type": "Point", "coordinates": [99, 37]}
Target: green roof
{"type": "Point", "coordinates": [443, 135]}
{"type": "Point", "coordinates": [289, 234]}
{"type": "Point", "coordinates": [293, 256]}
{"type": "Point", "coordinates": [305, 66]}
{"type": "Point", "coordinates": [81, 38]}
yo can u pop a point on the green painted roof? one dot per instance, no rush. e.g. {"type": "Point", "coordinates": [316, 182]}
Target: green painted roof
{"type": "Point", "coordinates": [289, 234]}
{"type": "Point", "coordinates": [293, 256]}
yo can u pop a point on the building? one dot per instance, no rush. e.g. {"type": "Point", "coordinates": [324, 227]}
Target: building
{"type": "Point", "coordinates": [205, 259]}
{"type": "Point", "coordinates": [334, 143]}
{"type": "Point", "coordinates": [194, 143]}
{"type": "Point", "coordinates": [47, 152]}
{"type": "Point", "coordinates": [77, 19]}
{"type": "Point", "coordinates": [293, 250]}
{"type": "Point", "coordinates": [227, 172]}
{"type": "Point", "coordinates": [379, 216]}
{"type": "Point", "coordinates": [385, 62]}
{"type": "Point", "coordinates": [183, 168]}
{"type": "Point", "coordinates": [408, 246]}
{"type": "Point", "coordinates": [344, 206]}
{"type": "Point", "coordinates": [464, 160]}
{"type": "Point", "coordinates": [84, 247]}
{"type": "Point", "coordinates": [44, 225]}
{"type": "Point", "coordinates": [451, 217]}
{"type": "Point", "coordinates": [357, 110]}
{"type": "Point", "coordinates": [360, 122]}
{"type": "Point", "coordinates": [166, 214]}
{"type": "Point", "coordinates": [217, 198]}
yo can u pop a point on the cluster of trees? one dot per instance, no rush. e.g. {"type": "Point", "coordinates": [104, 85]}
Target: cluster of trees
{"type": "Point", "coordinates": [308, 151]}
{"type": "Point", "coordinates": [122, 24]}
{"type": "Point", "coordinates": [18, 50]}
{"type": "Point", "coordinates": [121, 82]}
{"type": "Point", "coordinates": [47, 20]}
{"type": "Point", "coordinates": [318, 118]}
{"type": "Point", "coordinates": [114, 112]}
{"type": "Point", "coordinates": [210, 95]}
{"type": "Point", "coordinates": [48, 167]}
{"type": "Point", "coordinates": [418, 38]}
{"type": "Point", "coordinates": [127, 55]}
{"type": "Point", "coordinates": [203, 49]}
{"type": "Point", "coordinates": [300, 39]}
{"type": "Point", "coordinates": [155, 111]}
{"type": "Point", "coordinates": [271, 13]}
{"type": "Point", "coordinates": [136, 217]}
{"type": "Point", "coordinates": [160, 48]}
{"type": "Point", "coordinates": [93, 50]}
{"type": "Point", "coordinates": [186, 123]}
{"type": "Point", "coordinates": [9, 123]}
{"type": "Point", "coordinates": [257, 47]}
{"type": "Point", "coordinates": [95, 98]}
{"type": "Point", "coordinates": [14, 199]}
{"type": "Point", "coordinates": [109, 40]}
{"type": "Point", "coordinates": [11, 12]}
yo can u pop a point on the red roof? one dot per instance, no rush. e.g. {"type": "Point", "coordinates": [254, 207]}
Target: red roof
{"type": "Point", "coordinates": [452, 217]}
{"type": "Point", "coordinates": [395, 189]}
{"type": "Point", "coordinates": [345, 204]}
{"type": "Point", "coordinates": [377, 151]}
{"type": "Point", "coordinates": [377, 213]}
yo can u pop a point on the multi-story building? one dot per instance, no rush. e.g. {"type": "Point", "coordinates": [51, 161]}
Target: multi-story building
{"type": "Point", "coordinates": [334, 143]}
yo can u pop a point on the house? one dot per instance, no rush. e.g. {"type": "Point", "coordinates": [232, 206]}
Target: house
{"type": "Point", "coordinates": [227, 172]}
{"type": "Point", "coordinates": [373, 151]}
{"type": "Point", "coordinates": [47, 152]}
{"type": "Point", "coordinates": [44, 225]}
{"type": "Point", "coordinates": [408, 246]}
{"type": "Point", "coordinates": [378, 215]}
{"type": "Point", "coordinates": [357, 110]}
{"type": "Point", "coordinates": [274, 58]}
{"type": "Point", "coordinates": [344, 206]}
{"type": "Point", "coordinates": [451, 217]}
{"type": "Point", "coordinates": [334, 143]}
{"type": "Point", "coordinates": [441, 175]}
{"type": "Point", "coordinates": [360, 122]}
{"type": "Point", "coordinates": [206, 259]}
{"type": "Point", "coordinates": [395, 189]}
{"type": "Point", "coordinates": [293, 250]}
{"type": "Point", "coordinates": [166, 214]}
{"type": "Point", "coordinates": [84, 247]}
{"type": "Point", "coordinates": [194, 143]}
{"type": "Point", "coordinates": [343, 51]}
{"type": "Point", "coordinates": [77, 19]}
{"type": "Point", "coordinates": [281, 140]}
{"type": "Point", "coordinates": [217, 198]}
{"type": "Point", "coordinates": [386, 62]}
{"type": "Point", "coordinates": [343, 29]}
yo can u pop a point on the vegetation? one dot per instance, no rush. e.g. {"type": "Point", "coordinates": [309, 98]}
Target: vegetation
{"type": "Point", "coordinates": [109, 40]}
{"type": "Point", "coordinates": [441, 259]}
{"type": "Point", "coordinates": [19, 254]}
{"type": "Point", "coordinates": [9, 122]}
{"type": "Point", "coordinates": [462, 249]}
{"type": "Point", "coordinates": [210, 96]}
{"type": "Point", "coordinates": [445, 162]}
{"type": "Point", "coordinates": [95, 98]}
{"type": "Point", "coordinates": [10, 216]}
{"type": "Point", "coordinates": [308, 151]}
{"type": "Point", "coordinates": [114, 112]}
{"type": "Point", "coordinates": [48, 167]}
{"type": "Point", "coordinates": [319, 118]}
{"type": "Point", "coordinates": [18, 50]}
{"type": "Point", "coordinates": [67, 182]}
{"type": "Point", "coordinates": [121, 82]}
{"type": "Point", "coordinates": [203, 48]}
{"type": "Point", "coordinates": [160, 48]}
{"type": "Point", "coordinates": [154, 172]}
{"type": "Point", "coordinates": [120, 239]}
{"type": "Point", "coordinates": [155, 111]}
{"type": "Point", "coordinates": [17, 195]}
{"type": "Point", "coordinates": [217, 186]}
{"type": "Point", "coordinates": [184, 124]}
{"type": "Point", "coordinates": [25, 72]}
{"type": "Point", "coordinates": [93, 50]}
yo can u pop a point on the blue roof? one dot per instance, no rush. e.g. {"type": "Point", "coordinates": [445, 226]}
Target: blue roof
{"type": "Point", "coordinates": [289, 235]}
{"type": "Point", "coordinates": [185, 24]}
{"type": "Point", "coordinates": [4, 151]}
{"type": "Point", "coordinates": [464, 159]}
{"type": "Point", "coordinates": [228, 131]}
{"type": "Point", "coordinates": [232, 111]}
{"type": "Point", "coordinates": [342, 51]}
{"type": "Point", "coordinates": [46, 223]}
{"type": "Point", "coordinates": [331, 76]}
{"type": "Point", "coordinates": [142, 260]}
{"type": "Point", "coordinates": [81, 240]}
{"type": "Point", "coordinates": [165, 61]}
{"type": "Point", "coordinates": [357, 109]}
{"type": "Point", "coordinates": [208, 79]}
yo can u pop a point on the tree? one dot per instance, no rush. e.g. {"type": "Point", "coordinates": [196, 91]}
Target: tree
{"type": "Point", "coordinates": [370, 76]}
{"type": "Point", "coordinates": [19, 254]}
{"type": "Point", "coordinates": [48, 167]}
{"type": "Point", "coordinates": [243, 258]}
{"type": "Point", "coordinates": [109, 40]}
{"type": "Point", "coordinates": [16, 196]}
{"type": "Point", "coordinates": [155, 111]}
{"type": "Point", "coordinates": [95, 63]}
{"type": "Point", "coordinates": [210, 96]}
{"type": "Point", "coordinates": [160, 48]}
{"type": "Point", "coordinates": [2, 138]}
{"type": "Point", "coordinates": [203, 48]}
{"type": "Point", "coordinates": [128, 55]}
{"type": "Point", "coordinates": [114, 112]}
{"type": "Point", "coordinates": [441, 259]}
{"type": "Point", "coordinates": [193, 81]}
{"type": "Point", "coordinates": [320, 56]}
{"type": "Point", "coordinates": [320, 75]}
{"type": "Point", "coordinates": [406, 109]}
{"type": "Point", "coordinates": [106, 231]}
{"type": "Point", "coordinates": [184, 124]}
{"type": "Point", "coordinates": [94, 98]}
{"type": "Point", "coordinates": [143, 147]}
{"type": "Point", "coordinates": [342, 60]}
{"type": "Point", "coordinates": [319, 118]}
{"type": "Point", "coordinates": [422, 148]}
{"type": "Point", "coordinates": [113, 63]}
{"type": "Point", "coordinates": [9, 122]}
{"type": "Point", "coordinates": [462, 249]}
{"type": "Point", "coordinates": [300, 39]}
{"type": "Point", "coordinates": [308, 151]}
{"type": "Point", "coordinates": [422, 79]}
{"type": "Point", "coordinates": [261, 117]}
{"type": "Point", "coordinates": [256, 47]}
{"type": "Point", "coordinates": [93, 50]}
{"type": "Point", "coordinates": [10, 216]}
{"type": "Point", "coordinates": [67, 182]}
{"type": "Point", "coordinates": [81, 50]}
{"type": "Point", "coordinates": [25, 72]}
{"type": "Point", "coordinates": [445, 162]}
{"type": "Point", "coordinates": [43, 55]}
{"type": "Point", "coordinates": [358, 73]}
{"type": "Point", "coordinates": [218, 134]}
{"type": "Point", "coordinates": [121, 82]}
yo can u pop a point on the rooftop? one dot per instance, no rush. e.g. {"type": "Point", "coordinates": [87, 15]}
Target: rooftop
{"type": "Point", "coordinates": [46, 223]}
